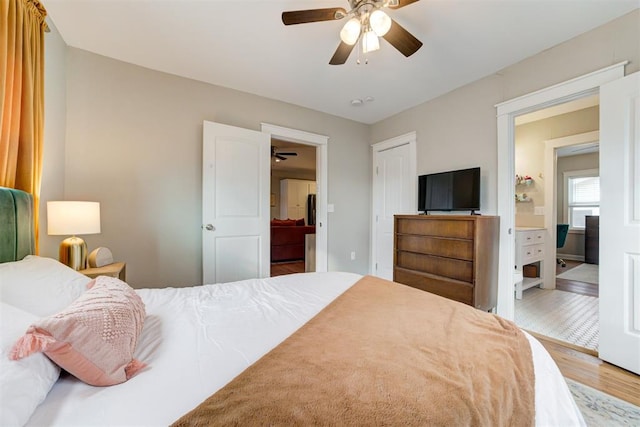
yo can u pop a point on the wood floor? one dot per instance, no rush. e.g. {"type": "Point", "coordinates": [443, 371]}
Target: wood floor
{"type": "Point", "coordinates": [282, 268]}
{"type": "Point", "coordinates": [583, 365]}
{"type": "Point", "coordinates": [583, 288]}
{"type": "Point", "coordinates": [588, 369]}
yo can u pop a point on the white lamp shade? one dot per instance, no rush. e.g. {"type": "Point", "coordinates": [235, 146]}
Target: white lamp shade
{"type": "Point", "coordinates": [351, 31]}
{"type": "Point", "coordinates": [73, 218]}
{"type": "Point", "coordinates": [380, 22]}
{"type": "Point", "coordinates": [370, 42]}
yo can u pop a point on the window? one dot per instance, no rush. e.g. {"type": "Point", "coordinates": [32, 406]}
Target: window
{"type": "Point", "coordinates": [582, 197]}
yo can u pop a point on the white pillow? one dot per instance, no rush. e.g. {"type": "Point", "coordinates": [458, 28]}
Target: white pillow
{"type": "Point", "coordinates": [23, 383]}
{"type": "Point", "coordinates": [42, 286]}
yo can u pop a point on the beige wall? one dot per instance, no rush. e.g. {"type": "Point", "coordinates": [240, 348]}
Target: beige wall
{"type": "Point", "coordinates": [134, 143]}
{"type": "Point", "coordinates": [55, 112]}
{"type": "Point", "coordinates": [458, 129]}
{"type": "Point", "coordinates": [529, 156]}
{"type": "Point", "coordinates": [574, 245]}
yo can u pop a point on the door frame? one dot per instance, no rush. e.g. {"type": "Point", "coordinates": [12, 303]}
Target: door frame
{"type": "Point", "coordinates": [410, 139]}
{"type": "Point", "coordinates": [551, 188]}
{"type": "Point", "coordinates": [579, 87]}
{"type": "Point", "coordinates": [321, 143]}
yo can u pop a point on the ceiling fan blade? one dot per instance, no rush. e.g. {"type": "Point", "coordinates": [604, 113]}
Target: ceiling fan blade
{"type": "Point", "coordinates": [287, 154]}
{"type": "Point", "coordinates": [312, 15]}
{"type": "Point", "coordinates": [402, 3]}
{"type": "Point", "coordinates": [278, 156]}
{"type": "Point", "coordinates": [402, 39]}
{"type": "Point", "coordinates": [342, 53]}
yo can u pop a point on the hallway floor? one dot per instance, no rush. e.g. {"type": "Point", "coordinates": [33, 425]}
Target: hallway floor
{"type": "Point", "coordinates": [568, 313]}
{"type": "Point", "coordinates": [282, 268]}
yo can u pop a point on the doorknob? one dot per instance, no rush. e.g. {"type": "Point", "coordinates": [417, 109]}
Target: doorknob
{"type": "Point", "coordinates": [209, 227]}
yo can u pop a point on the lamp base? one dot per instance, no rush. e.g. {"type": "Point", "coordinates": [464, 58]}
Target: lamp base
{"type": "Point", "coordinates": [73, 252]}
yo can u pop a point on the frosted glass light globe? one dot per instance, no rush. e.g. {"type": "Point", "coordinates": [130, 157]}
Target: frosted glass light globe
{"type": "Point", "coordinates": [370, 42]}
{"type": "Point", "coordinates": [380, 22]}
{"type": "Point", "coordinates": [351, 31]}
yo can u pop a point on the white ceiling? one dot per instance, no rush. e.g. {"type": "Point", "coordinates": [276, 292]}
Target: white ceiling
{"type": "Point", "coordinates": [242, 44]}
{"type": "Point", "coordinates": [576, 150]}
{"type": "Point", "coordinates": [556, 110]}
{"type": "Point", "coordinates": [305, 161]}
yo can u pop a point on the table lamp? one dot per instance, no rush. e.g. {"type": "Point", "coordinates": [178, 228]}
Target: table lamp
{"type": "Point", "coordinates": [73, 218]}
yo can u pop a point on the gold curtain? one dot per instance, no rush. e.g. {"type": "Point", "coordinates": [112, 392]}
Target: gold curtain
{"type": "Point", "coordinates": [22, 26]}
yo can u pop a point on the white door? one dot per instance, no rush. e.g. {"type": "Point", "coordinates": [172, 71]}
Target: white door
{"type": "Point", "coordinates": [620, 222]}
{"type": "Point", "coordinates": [394, 192]}
{"type": "Point", "coordinates": [235, 203]}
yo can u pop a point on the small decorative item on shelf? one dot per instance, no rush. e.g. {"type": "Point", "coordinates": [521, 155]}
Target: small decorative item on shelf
{"type": "Point", "coordinates": [100, 257]}
{"type": "Point", "coordinates": [524, 180]}
{"type": "Point", "coordinates": [522, 197]}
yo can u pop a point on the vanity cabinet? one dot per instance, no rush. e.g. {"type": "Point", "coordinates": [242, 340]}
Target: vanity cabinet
{"type": "Point", "coordinates": [529, 250]}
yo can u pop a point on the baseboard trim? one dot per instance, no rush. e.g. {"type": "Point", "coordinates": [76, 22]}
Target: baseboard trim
{"type": "Point", "coordinates": [584, 350]}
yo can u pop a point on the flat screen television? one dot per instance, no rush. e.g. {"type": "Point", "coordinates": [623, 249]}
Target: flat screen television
{"type": "Point", "coordinates": [457, 190]}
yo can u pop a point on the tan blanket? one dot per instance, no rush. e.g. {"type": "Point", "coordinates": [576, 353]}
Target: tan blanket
{"type": "Point", "coordinates": [385, 354]}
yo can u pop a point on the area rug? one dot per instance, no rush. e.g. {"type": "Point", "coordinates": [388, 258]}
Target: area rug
{"type": "Point", "coordinates": [601, 409]}
{"type": "Point", "coordinates": [582, 273]}
{"type": "Point", "coordinates": [565, 316]}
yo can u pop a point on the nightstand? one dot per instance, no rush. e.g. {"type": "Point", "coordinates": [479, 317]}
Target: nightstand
{"type": "Point", "coordinates": [117, 269]}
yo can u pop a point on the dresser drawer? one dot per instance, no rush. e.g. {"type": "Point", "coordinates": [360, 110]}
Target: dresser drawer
{"type": "Point", "coordinates": [447, 267]}
{"type": "Point", "coordinates": [532, 253]}
{"type": "Point", "coordinates": [530, 237]}
{"type": "Point", "coordinates": [459, 229]}
{"type": "Point", "coordinates": [461, 292]}
{"type": "Point", "coordinates": [450, 248]}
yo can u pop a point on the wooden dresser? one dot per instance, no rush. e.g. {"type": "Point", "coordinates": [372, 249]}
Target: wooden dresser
{"type": "Point", "coordinates": [449, 255]}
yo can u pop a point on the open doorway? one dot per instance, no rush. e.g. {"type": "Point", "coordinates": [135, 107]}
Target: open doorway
{"type": "Point", "coordinates": [557, 177]}
{"type": "Point", "coordinates": [293, 207]}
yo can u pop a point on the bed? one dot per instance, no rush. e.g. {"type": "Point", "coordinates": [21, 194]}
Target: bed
{"type": "Point", "coordinates": [209, 349]}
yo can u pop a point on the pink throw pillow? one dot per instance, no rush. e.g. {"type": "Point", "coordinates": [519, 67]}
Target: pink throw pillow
{"type": "Point", "coordinates": [95, 337]}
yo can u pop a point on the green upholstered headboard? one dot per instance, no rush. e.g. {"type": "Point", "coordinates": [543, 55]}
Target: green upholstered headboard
{"type": "Point", "coordinates": [17, 238]}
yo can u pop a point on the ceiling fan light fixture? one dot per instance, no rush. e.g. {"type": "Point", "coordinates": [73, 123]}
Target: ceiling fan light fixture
{"type": "Point", "coordinates": [370, 42]}
{"type": "Point", "coordinates": [380, 22]}
{"type": "Point", "coordinates": [351, 31]}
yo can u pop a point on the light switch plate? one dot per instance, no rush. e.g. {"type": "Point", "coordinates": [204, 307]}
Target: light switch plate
{"type": "Point", "coordinates": [330, 207]}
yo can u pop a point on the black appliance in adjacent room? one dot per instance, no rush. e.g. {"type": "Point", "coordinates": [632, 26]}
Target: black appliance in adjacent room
{"type": "Point", "coordinates": [311, 209]}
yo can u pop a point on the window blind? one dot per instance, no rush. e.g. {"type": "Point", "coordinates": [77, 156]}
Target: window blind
{"type": "Point", "coordinates": [584, 191]}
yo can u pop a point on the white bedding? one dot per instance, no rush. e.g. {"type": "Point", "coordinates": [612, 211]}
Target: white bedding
{"type": "Point", "coordinates": [195, 340]}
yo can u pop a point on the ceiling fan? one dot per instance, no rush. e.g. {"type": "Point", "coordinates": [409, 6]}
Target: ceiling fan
{"type": "Point", "coordinates": [367, 21]}
{"type": "Point", "coordinates": [279, 155]}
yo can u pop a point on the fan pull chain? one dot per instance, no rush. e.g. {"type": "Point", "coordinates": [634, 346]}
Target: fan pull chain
{"type": "Point", "coordinates": [366, 60]}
